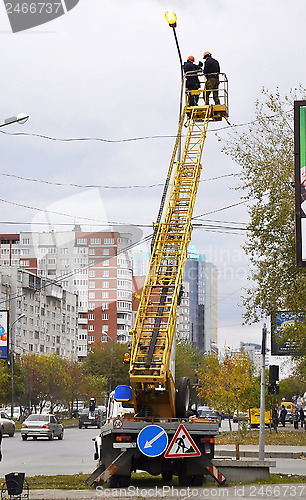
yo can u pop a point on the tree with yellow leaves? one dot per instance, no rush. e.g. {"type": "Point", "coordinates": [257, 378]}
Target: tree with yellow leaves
{"type": "Point", "coordinates": [227, 383]}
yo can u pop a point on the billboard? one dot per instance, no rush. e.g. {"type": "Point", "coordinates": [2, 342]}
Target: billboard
{"type": "Point", "coordinates": [4, 334]}
{"type": "Point", "coordinates": [300, 180]}
{"type": "Point", "coordinates": [279, 322]}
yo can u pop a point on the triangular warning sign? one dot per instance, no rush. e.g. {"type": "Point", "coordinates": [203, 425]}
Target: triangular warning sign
{"type": "Point", "coordinates": [182, 445]}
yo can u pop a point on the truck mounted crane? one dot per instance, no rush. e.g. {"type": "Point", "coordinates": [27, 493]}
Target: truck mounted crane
{"type": "Point", "coordinates": [155, 399]}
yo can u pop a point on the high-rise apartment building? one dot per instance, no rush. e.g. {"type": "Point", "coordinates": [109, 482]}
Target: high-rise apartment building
{"type": "Point", "coordinates": [43, 316]}
{"type": "Point", "coordinates": [94, 265]}
{"type": "Point", "coordinates": [197, 315]}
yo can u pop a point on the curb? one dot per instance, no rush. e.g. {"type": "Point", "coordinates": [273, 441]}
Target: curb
{"type": "Point", "coordinates": [254, 454]}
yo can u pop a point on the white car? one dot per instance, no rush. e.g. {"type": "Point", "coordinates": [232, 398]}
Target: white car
{"type": "Point", "coordinates": [39, 425]}
{"type": "Point", "coordinates": [7, 424]}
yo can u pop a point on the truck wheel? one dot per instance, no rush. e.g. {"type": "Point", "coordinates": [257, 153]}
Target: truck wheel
{"type": "Point", "coordinates": [124, 481]}
{"type": "Point", "coordinates": [197, 480]}
{"type": "Point", "coordinates": [184, 480]}
{"type": "Point", "coordinates": [112, 482]}
{"type": "Point", "coordinates": [182, 397]}
{"type": "Point", "coordinates": [167, 475]}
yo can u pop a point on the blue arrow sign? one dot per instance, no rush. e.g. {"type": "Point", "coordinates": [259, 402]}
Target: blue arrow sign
{"type": "Point", "coordinates": [152, 440]}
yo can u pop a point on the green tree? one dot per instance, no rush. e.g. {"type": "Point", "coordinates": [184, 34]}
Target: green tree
{"type": "Point", "coordinates": [187, 360]}
{"type": "Point", "coordinates": [226, 382]}
{"type": "Point", "coordinates": [5, 382]}
{"type": "Point", "coordinates": [98, 363]}
{"type": "Point", "coordinates": [265, 154]}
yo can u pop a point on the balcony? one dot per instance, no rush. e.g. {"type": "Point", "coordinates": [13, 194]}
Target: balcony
{"type": "Point", "coordinates": [82, 321]}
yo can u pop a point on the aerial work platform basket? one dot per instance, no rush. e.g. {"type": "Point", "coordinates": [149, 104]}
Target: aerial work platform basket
{"type": "Point", "coordinates": [218, 111]}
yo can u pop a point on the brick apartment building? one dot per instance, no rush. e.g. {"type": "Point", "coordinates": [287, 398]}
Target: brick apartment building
{"type": "Point", "coordinates": [96, 266]}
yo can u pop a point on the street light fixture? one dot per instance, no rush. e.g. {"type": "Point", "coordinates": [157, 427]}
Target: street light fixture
{"type": "Point", "coordinates": [20, 118]}
{"type": "Point", "coordinates": [12, 362]}
{"type": "Point", "coordinates": [171, 19]}
{"type": "Point", "coordinates": [111, 359]}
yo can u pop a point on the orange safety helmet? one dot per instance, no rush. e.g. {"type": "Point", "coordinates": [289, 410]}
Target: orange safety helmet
{"type": "Point", "coordinates": [190, 58]}
{"type": "Point", "coordinates": [206, 54]}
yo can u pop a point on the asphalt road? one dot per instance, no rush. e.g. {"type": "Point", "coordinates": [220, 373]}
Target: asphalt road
{"type": "Point", "coordinates": [75, 454]}
{"type": "Point", "coordinates": [72, 455]}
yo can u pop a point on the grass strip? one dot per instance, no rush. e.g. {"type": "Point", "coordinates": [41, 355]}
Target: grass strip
{"type": "Point", "coordinates": [279, 438]}
{"type": "Point", "coordinates": [143, 480]}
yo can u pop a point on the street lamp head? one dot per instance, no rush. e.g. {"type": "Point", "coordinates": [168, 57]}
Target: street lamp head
{"type": "Point", "coordinates": [171, 18]}
{"type": "Point", "coordinates": [20, 118]}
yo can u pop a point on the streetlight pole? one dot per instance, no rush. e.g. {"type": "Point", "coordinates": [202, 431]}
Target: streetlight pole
{"type": "Point", "coordinates": [21, 118]}
{"type": "Point", "coordinates": [261, 454]}
{"type": "Point", "coordinates": [171, 19]}
{"type": "Point", "coordinates": [111, 359]}
{"type": "Point", "coordinates": [12, 363]}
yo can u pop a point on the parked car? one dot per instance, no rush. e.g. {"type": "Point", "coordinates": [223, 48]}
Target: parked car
{"type": "Point", "coordinates": [16, 412]}
{"type": "Point", "coordinates": [94, 418]}
{"type": "Point", "coordinates": [212, 415]}
{"type": "Point", "coordinates": [38, 425]}
{"type": "Point", "coordinates": [243, 415]}
{"type": "Point", "coordinates": [7, 424]}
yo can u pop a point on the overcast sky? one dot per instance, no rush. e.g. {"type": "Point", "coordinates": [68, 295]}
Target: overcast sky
{"type": "Point", "coordinates": [110, 70]}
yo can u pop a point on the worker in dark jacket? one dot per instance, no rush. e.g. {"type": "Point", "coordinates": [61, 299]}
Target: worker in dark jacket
{"type": "Point", "coordinates": [192, 82]}
{"type": "Point", "coordinates": [302, 417]}
{"type": "Point", "coordinates": [211, 71]}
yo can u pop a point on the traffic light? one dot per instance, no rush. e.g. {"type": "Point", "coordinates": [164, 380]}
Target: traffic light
{"type": "Point", "coordinates": [273, 374]}
{"type": "Point", "coordinates": [92, 404]}
{"type": "Point", "coordinates": [273, 390]}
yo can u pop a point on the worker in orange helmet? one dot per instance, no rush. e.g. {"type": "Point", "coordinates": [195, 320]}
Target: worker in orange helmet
{"type": "Point", "coordinates": [211, 71]}
{"type": "Point", "coordinates": [192, 81]}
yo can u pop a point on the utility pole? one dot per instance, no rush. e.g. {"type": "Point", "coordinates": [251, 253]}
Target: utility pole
{"type": "Point", "coordinates": [261, 455]}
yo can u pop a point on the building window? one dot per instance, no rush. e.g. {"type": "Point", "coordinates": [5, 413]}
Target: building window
{"type": "Point", "coordinates": [91, 295]}
{"type": "Point", "coordinates": [91, 251]}
{"type": "Point", "coordinates": [105, 295]}
{"type": "Point", "coordinates": [105, 273]}
{"type": "Point", "coordinates": [104, 316]}
{"type": "Point", "coordinates": [95, 241]}
{"type": "Point", "coordinates": [91, 316]}
{"type": "Point", "coordinates": [91, 306]}
{"type": "Point", "coordinates": [81, 241]}
{"type": "Point", "coordinates": [105, 262]}
{"type": "Point", "coordinates": [91, 284]}
{"type": "Point", "coordinates": [24, 263]}
{"type": "Point", "coordinates": [109, 241]}
{"type": "Point", "coordinates": [91, 338]}
{"type": "Point", "coordinates": [91, 328]}
{"type": "Point", "coordinates": [104, 305]}
{"type": "Point", "coordinates": [92, 274]}
{"type": "Point", "coordinates": [105, 251]}
{"type": "Point", "coordinates": [26, 241]}
{"type": "Point", "coordinates": [104, 328]}
{"type": "Point", "coordinates": [105, 284]}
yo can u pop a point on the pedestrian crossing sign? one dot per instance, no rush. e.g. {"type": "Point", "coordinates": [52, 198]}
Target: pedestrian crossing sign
{"type": "Point", "coordinates": [182, 445]}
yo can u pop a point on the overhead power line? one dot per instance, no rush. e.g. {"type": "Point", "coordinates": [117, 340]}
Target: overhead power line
{"type": "Point", "coordinates": [101, 186]}
{"type": "Point", "coordinates": [133, 139]}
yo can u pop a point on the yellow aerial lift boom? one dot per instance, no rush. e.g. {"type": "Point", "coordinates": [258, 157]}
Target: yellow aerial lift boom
{"type": "Point", "coordinates": [153, 333]}
{"type": "Point", "coordinates": [160, 412]}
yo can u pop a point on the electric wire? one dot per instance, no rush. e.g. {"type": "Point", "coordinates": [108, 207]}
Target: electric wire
{"type": "Point", "coordinates": [100, 186]}
{"type": "Point", "coordinates": [133, 139]}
